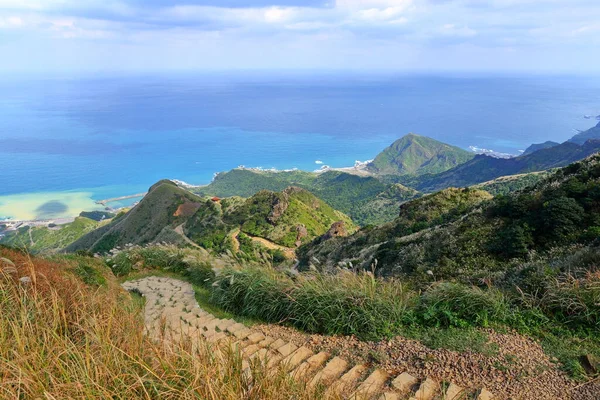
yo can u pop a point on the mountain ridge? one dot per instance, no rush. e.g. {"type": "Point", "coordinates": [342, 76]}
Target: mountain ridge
{"type": "Point", "coordinates": [417, 155]}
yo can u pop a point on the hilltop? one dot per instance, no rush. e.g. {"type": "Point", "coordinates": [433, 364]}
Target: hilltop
{"type": "Point", "coordinates": [171, 214]}
{"type": "Point", "coordinates": [367, 200]}
{"type": "Point", "coordinates": [418, 155]}
{"type": "Point", "coordinates": [590, 134]}
{"type": "Point", "coordinates": [483, 168]}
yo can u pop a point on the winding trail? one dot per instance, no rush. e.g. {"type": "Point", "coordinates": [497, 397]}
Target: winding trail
{"type": "Point", "coordinates": [179, 230]}
{"type": "Point", "coordinates": [234, 240]}
{"type": "Point", "coordinates": [172, 311]}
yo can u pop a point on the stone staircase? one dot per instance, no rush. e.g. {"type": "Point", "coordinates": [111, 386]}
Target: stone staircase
{"type": "Point", "coordinates": [171, 309]}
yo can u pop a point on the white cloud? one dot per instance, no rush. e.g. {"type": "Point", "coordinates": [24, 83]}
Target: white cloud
{"type": "Point", "coordinates": [458, 31]}
{"type": "Point", "coordinates": [352, 33]}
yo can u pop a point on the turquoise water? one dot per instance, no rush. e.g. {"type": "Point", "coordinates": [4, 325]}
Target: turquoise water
{"type": "Point", "coordinates": [110, 136]}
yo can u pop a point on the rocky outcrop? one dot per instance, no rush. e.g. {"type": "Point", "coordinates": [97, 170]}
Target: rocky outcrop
{"type": "Point", "coordinates": [338, 229]}
{"type": "Point", "coordinates": [280, 204]}
{"type": "Point", "coordinates": [302, 233]}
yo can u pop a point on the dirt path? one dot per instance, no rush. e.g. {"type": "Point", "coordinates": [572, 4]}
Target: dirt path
{"type": "Point", "coordinates": [234, 240]}
{"type": "Point", "coordinates": [179, 230]}
{"type": "Point", "coordinates": [287, 251]}
{"type": "Point", "coordinates": [171, 311]}
{"type": "Point", "coordinates": [30, 237]}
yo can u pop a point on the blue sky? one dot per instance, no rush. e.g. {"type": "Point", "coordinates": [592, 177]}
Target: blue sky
{"type": "Point", "coordinates": [540, 36]}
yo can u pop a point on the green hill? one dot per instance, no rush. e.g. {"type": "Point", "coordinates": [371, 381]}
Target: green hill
{"type": "Point", "coordinates": [483, 168]}
{"type": "Point", "coordinates": [171, 214]}
{"type": "Point", "coordinates": [590, 134]}
{"type": "Point", "coordinates": [458, 234]}
{"type": "Point", "coordinates": [414, 216]}
{"type": "Point", "coordinates": [43, 239]}
{"type": "Point", "coordinates": [539, 146]}
{"type": "Point", "coordinates": [418, 155]}
{"type": "Point", "coordinates": [144, 223]}
{"type": "Point", "coordinates": [366, 200]}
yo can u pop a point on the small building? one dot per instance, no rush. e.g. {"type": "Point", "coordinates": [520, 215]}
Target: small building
{"type": "Point", "coordinates": [216, 199]}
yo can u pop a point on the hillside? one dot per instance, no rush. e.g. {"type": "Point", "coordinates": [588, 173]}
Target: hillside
{"type": "Point", "coordinates": [476, 242]}
{"type": "Point", "coordinates": [431, 210]}
{"type": "Point", "coordinates": [418, 155]}
{"type": "Point", "coordinates": [539, 146]}
{"type": "Point", "coordinates": [171, 214]}
{"type": "Point", "coordinates": [69, 330]}
{"type": "Point", "coordinates": [483, 168]}
{"type": "Point", "coordinates": [366, 200]}
{"type": "Point", "coordinates": [512, 183]}
{"type": "Point", "coordinates": [49, 239]}
{"type": "Point", "coordinates": [156, 214]}
{"type": "Point", "coordinates": [590, 134]}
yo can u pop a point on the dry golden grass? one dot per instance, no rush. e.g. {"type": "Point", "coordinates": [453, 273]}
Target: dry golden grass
{"type": "Point", "coordinates": [61, 339]}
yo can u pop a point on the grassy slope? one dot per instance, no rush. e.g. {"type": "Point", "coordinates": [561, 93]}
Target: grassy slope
{"type": "Point", "coordinates": [559, 211]}
{"type": "Point", "coordinates": [63, 338]}
{"type": "Point", "coordinates": [144, 223]}
{"type": "Point", "coordinates": [211, 224]}
{"type": "Point", "coordinates": [365, 199]}
{"type": "Point", "coordinates": [50, 239]}
{"type": "Point", "coordinates": [512, 183]}
{"type": "Point", "coordinates": [418, 155]}
{"type": "Point", "coordinates": [581, 138]}
{"type": "Point", "coordinates": [484, 168]}
{"type": "Point", "coordinates": [414, 216]}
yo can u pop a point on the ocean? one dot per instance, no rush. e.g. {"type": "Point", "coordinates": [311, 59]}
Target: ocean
{"type": "Point", "coordinates": [67, 141]}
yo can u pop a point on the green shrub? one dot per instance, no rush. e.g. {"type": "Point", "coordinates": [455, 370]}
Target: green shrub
{"type": "Point", "coordinates": [451, 304]}
{"type": "Point", "coordinates": [89, 275]}
{"type": "Point", "coordinates": [187, 262]}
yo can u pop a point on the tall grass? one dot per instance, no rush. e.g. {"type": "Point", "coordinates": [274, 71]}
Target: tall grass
{"type": "Point", "coordinates": [347, 303]}
{"type": "Point", "coordinates": [61, 339]}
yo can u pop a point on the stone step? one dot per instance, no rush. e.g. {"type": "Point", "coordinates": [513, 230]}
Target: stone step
{"type": "Point", "coordinates": [242, 333]}
{"type": "Point", "coordinates": [372, 385]}
{"type": "Point", "coordinates": [287, 349]}
{"type": "Point", "coordinates": [348, 381]}
{"type": "Point", "coordinates": [204, 320]}
{"type": "Point", "coordinates": [277, 344]}
{"type": "Point", "coordinates": [310, 365]}
{"type": "Point", "coordinates": [251, 349]}
{"type": "Point", "coordinates": [235, 327]}
{"type": "Point", "coordinates": [212, 324]}
{"type": "Point", "coordinates": [404, 382]}
{"type": "Point", "coordinates": [266, 342]}
{"type": "Point", "coordinates": [453, 392]}
{"type": "Point", "coordinates": [427, 390]}
{"type": "Point", "coordinates": [217, 337]}
{"type": "Point", "coordinates": [333, 370]}
{"type": "Point", "coordinates": [256, 337]}
{"type": "Point", "coordinates": [225, 323]}
{"type": "Point", "coordinates": [485, 395]}
{"type": "Point", "coordinates": [297, 357]}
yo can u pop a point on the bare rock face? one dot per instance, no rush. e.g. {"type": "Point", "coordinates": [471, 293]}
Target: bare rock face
{"type": "Point", "coordinates": [187, 209]}
{"type": "Point", "coordinates": [280, 204]}
{"type": "Point", "coordinates": [338, 229]}
{"type": "Point", "coordinates": [302, 233]}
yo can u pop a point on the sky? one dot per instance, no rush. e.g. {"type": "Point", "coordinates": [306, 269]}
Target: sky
{"type": "Point", "coordinates": [537, 36]}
